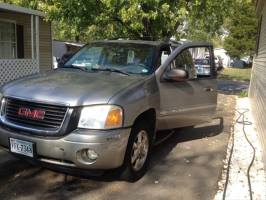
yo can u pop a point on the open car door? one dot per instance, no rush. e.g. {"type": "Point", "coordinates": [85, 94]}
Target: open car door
{"type": "Point", "coordinates": [192, 99]}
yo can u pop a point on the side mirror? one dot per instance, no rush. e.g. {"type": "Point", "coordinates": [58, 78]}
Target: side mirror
{"type": "Point", "coordinates": [176, 75]}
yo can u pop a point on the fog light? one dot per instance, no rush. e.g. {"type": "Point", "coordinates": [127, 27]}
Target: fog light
{"type": "Point", "coordinates": [89, 155]}
{"type": "Point", "coordinates": [92, 155]}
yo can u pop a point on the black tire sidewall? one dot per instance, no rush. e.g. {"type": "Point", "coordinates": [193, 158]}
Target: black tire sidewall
{"type": "Point", "coordinates": [128, 173]}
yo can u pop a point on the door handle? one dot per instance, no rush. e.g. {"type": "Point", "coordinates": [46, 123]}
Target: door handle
{"type": "Point", "coordinates": [208, 89]}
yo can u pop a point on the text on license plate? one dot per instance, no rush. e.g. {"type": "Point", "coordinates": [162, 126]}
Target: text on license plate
{"type": "Point", "coordinates": [21, 147]}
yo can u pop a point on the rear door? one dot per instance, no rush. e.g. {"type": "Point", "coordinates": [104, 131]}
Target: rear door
{"type": "Point", "coordinates": [192, 101]}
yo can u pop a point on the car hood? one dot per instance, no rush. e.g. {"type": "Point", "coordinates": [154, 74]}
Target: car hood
{"type": "Point", "coordinates": [70, 87]}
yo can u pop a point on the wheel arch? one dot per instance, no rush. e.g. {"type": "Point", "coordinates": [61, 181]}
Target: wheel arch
{"type": "Point", "coordinates": [149, 116]}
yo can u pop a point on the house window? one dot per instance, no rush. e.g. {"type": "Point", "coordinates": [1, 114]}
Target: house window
{"type": "Point", "coordinates": [8, 41]}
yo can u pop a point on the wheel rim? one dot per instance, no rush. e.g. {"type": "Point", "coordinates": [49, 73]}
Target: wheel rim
{"type": "Point", "coordinates": [140, 150]}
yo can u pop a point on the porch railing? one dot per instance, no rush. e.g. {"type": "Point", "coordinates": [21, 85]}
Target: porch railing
{"type": "Point", "coordinates": [11, 69]}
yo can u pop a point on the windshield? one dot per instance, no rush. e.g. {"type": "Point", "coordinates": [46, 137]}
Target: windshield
{"type": "Point", "coordinates": [129, 58]}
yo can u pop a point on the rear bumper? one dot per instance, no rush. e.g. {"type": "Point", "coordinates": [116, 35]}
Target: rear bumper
{"type": "Point", "coordinates": [110, 147]}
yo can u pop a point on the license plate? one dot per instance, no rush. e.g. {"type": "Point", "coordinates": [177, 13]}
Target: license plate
{"type": "Point", "coordinates": [21, 147]}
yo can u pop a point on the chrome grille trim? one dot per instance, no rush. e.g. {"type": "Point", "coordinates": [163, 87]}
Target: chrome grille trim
{"type": "Point", "coordinates": [54, 118]}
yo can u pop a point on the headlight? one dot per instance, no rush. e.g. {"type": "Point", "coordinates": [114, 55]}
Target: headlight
{"type": "Point", "coordinates": [101, 117]}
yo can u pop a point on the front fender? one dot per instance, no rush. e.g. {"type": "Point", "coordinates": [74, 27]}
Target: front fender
{"type": "Point", "coordinates": [137, 99]}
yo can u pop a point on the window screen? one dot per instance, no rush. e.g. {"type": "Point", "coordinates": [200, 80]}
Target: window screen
{"type": "Point", "coordinates": [8, 45]}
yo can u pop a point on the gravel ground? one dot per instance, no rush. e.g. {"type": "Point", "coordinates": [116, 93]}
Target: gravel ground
{"type": "Point", "coordinates": [242, 154]}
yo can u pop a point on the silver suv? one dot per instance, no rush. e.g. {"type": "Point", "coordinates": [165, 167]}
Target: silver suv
{"type": "Point", "coordinates": [104, 107]}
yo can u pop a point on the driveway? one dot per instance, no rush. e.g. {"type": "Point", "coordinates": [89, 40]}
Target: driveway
{"type": "Point", "coordinates": [186, 166]}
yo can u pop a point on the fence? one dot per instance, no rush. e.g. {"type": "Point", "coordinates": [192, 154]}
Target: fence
{"type": "Point", "coordinates": [11, 69]}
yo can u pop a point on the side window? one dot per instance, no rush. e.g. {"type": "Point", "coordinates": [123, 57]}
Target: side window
{"type": "Point", "coordinates": [196, 61]}
{"type": "Point", "coordinates": [164, 56]}
{"type": "Point", "coordinates": [164, 53]}
{"type": "Point", "coordinates": [185, 61]}
{"type": "Point", "coordinates": [202, 62]}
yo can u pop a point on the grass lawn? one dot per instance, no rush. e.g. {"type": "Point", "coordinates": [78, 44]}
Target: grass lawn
{"type": "Point", "coordinates": [236, 74]}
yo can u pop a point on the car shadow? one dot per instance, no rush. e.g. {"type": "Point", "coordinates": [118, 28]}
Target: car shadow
{"type": "Point", "coordinates": [201, 131]}
{"type": "Point", "coordinates": [161, 150]}
{"type": "Point", "coordinates": [76, 184]}
{"type": "Point", "coordinates": [186, 134]}
{"type": "Point", "coordinates": [11, 166]}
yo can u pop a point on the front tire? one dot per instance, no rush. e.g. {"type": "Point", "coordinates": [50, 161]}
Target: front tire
{"type": "Point", "coordinates": [138, 152]}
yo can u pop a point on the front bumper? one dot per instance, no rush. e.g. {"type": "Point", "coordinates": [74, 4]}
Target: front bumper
{"type": "Point", "coordinates": [65, 151]}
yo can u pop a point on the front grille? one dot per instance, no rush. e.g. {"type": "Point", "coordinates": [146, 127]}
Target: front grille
{"type": "Point", "coordinates": [53, 118]}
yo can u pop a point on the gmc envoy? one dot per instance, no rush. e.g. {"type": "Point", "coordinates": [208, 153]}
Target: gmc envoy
{"type": "Point", "coordinates": [103, 108]}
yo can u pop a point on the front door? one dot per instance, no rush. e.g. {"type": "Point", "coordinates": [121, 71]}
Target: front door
{"type": "Point", "coordinates": [192, 101]}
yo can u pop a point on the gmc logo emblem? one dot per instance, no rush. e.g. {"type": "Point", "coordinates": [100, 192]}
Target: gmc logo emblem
{"type": "Point", "coordinates": [31, 113]}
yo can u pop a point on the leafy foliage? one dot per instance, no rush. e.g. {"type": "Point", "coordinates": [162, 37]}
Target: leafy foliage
{"type": "Point", "coordinates": [242, 28]}
{"type": "Point", "coordinates": [206, 19]}
{"type": "Point", "coordinates": [84, 20]}
{"type": "Point", "coordinates": [142, 19]}
{"type": "Point", "coordinates": [137, 19]}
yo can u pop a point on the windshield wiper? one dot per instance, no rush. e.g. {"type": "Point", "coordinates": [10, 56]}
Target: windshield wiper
{"type": "Point", "coordinates": [75, 67]}
{"type": "Point", "coordinates": [111, 70]}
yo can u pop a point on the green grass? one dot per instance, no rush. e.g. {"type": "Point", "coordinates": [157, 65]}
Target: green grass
{"type": "Point", "coordinates": [236, 74]}
{"type": "Point", "coordinates": [243, 94]}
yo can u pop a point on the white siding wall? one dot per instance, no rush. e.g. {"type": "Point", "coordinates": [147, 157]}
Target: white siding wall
{"type": "Point", "coordinates": [258, 85]}
{"type": "Point", "coordinates": [45, 45]}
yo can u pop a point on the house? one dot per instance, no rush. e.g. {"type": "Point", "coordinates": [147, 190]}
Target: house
{"type": "Point", "coordinates": [25, 42]}
{"type": "Point", "coordinates": [257, 92]}
{"type": "Point", "coordinates": [222, 53]}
